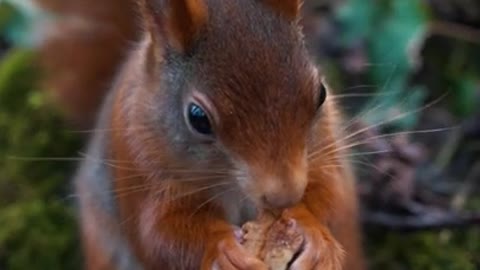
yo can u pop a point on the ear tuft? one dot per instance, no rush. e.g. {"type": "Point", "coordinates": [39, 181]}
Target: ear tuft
{"type": "Point", "coordinates": [177, 21]}
{"type": "Point", "coordinates": [185, 20]}
{"type": "Point", "coordinates": [288, 8]}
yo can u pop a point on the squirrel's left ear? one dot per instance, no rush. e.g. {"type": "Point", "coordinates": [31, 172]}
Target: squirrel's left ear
{"type": "Point", "coordinates": [175, 22]}
{"type": "Point", "coordinates": [288, 8]}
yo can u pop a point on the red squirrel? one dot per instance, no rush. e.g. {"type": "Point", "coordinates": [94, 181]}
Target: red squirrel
{"type": "Point", "coordinates": [217, 113]}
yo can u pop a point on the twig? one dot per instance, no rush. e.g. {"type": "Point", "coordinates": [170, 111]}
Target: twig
{"type": "Point", "coordinates": [456, 31]}
{"type": "Point", "coordinates": [434, 221]}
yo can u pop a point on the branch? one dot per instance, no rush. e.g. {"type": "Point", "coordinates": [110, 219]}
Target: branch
{"type": "Point", "coordinates": [431, 221]}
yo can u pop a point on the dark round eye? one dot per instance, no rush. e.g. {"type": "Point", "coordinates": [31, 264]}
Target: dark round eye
{"type": "Point", "coordinates": [198, 119]}
{"type": "Point", "coordinates": [322, 95]}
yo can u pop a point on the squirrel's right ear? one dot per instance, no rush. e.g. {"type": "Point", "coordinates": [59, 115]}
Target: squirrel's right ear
{"type": "Point", "coordinates": [288, 8]}
{"type": "Point", "coordinates": [177, 22]}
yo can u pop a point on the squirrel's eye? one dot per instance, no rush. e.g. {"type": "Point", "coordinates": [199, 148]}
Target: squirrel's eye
{"type": "Point", "coordinates": [322, 95]}
{"type": "Point", "coordinates": [198, 119]}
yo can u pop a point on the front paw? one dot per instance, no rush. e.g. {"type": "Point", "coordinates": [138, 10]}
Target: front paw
{"type": "Point", "coordinates": [320, 250]}
{"type": "Point", "coordinates": [232, 256]}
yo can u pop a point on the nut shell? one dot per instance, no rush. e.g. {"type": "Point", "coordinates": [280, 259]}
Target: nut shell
{"type": "Point", "coordinates": [275, 241]}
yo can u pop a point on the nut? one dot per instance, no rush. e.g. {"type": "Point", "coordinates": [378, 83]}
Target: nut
{"type": "Point", "coordinates": [275, 241]}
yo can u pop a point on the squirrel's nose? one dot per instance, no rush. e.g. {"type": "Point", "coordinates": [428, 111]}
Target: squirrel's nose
{"type": "Point", "coordinates": [283, 192]}
{"type": "Point", "coordinates": [283, 198]}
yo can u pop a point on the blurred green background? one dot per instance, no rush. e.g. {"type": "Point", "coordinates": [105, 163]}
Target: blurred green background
{"type": "Point", "coordinates": [388, 58]}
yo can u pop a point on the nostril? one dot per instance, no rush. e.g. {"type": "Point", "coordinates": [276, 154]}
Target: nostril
{"type": "Point", "coordinates": [265, 200]}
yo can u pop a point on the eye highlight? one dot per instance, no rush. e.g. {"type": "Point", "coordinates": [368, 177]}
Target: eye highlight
{"type": "Point", "coordinates": [198, 120]}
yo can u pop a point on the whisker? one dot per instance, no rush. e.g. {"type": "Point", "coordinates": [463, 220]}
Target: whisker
{"type": "Point", "coordinates": [386, 64]}
{"type": "Point", "coordinates": [368, 140]}
{"type": "Point", "coordinates": [90, 131]}
{"type": "Point", "coordinates": [211, 199]}
{"type": "Point", "coordinates": [384, 122]}
{"type": "Point", "coordinates": [121, 192]}
{"type": "Point", "coordinates": [67, 159]}
{"type": "Point", "coordinates": [107, 163]}
{"type": "Point", "coordinates": [357, 95]}
{"type": "Point", "coordinates": [369, 165]}
{"type": "Point", "coordinates": [183, 195]}
{"type": "Point", "coordinates": [366, 153]}
{"type": "Point", "coordinates": [114, 192]}
{"type": "Point", "coordinates": [362, 86]}
{"type": "Point", "coordinates": [367, 112]}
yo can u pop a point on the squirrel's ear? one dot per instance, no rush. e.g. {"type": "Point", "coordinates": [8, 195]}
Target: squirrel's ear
{"type": "Point", "coordinates": [177, 22]}
{"type": "Point", "coordinates": [289, 8]}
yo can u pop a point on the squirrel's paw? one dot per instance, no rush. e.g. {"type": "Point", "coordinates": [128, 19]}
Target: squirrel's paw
{"type": "Point", "coordinates": [320, 250]}
{"type": "Point", "coordinates": [232, 256]}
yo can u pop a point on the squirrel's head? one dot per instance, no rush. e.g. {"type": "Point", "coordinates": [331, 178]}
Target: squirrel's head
{"type": "Point", "coordinates": [233, 87]}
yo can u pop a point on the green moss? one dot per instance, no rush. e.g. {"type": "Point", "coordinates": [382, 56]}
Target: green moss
{"type": "Point", "coordinates": [449, 250]}
{"type": "Point", "coordinates": [38, 234]}
{"type": "Point", "coordinates": [37, 228]}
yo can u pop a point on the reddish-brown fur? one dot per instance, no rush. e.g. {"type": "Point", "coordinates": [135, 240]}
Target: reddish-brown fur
{"type": "Point", "coordinates": [87, 31]}
{"type": "Point", "coordinates": [177, 196]}
{"type": "Point", "coordinates": [290, 9]}
{"type": "Point", "coordinates": [187, 17]}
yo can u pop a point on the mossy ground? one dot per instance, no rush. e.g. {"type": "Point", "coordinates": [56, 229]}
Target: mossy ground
{"type": "Point", "coordinates": [37, 225]}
